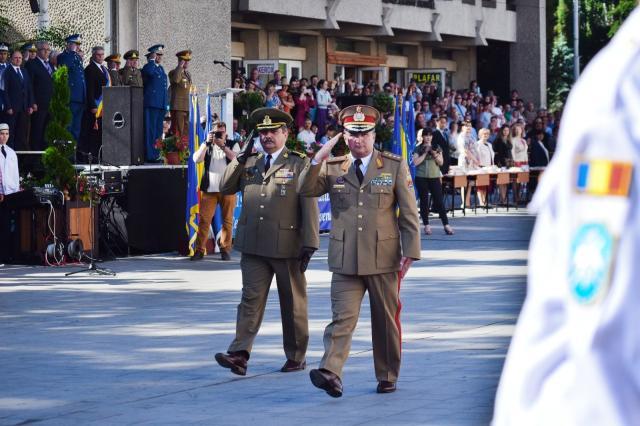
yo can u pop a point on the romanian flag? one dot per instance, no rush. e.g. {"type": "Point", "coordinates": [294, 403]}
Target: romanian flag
{"type": "Point", "coordinates": [194, 172]}
{"type": "Point", "coordinates": [99, 103]}
{"type": "Point", "coordinates": [603, 177]}
{"type": "Point", "coordinates": [409, 124]}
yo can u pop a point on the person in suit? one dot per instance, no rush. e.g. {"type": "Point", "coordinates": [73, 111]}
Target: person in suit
{"type": "Point", "coordinates": [441, 141]}
{"type": "Point", "coordinates": [180, 80]}
{"type": "Point", "coordinates": [375, 237]}
{"type": "Point", "coordinates": [113, 65]}
{"type": "Point", "coordinates": [277, 235]}
{"type": "Point", "coordinates": [19, 101]}
{"type": "Point", "coordinates": [96, 76]}
{"type": "Point", "coordinates": [77, 86]}
{"type": "Point", "coordinates": [40, 71]}
{"type": "Point", "coordinates": [155, 99]}
{"type": "Point", "coordinates": [130, 74]}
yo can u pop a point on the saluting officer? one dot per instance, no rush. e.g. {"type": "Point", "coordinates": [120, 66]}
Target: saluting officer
{"type": "Point", "coordinates": [130, 74]}
{"type": "Point", "coordinates": [277, 235]}
{"type": "Point", "coordinates": [180, 80]}
{"type": "Point", "coordinates": [155, 99]}
{"type": "Point", "coordinates": [113, 65]}
{"type": "Point", "coordinates": [575, 356]}
{"type": "Point", "coordinates": [370, 246]}
{"type": "Point", "coordinates": [77, 86]}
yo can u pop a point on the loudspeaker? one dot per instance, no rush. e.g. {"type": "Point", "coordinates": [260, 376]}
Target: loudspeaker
{"type": "Point", "coordinates": [123, 125]}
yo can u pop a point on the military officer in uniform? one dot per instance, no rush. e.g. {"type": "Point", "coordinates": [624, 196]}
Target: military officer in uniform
{"type": "Point", "coordinates": [575, 356]}
{"type": "Point", "coordinates": [277, 235]}
{"type": "Point", "coordinates": [77, 86]}
{"type": "Point", "coordinates": [29, 51]}
{"type": "Point", "coordinates": [113, 65]}
{"type": "Point", "coordinates": [130, 74]}
{"type": "Point", "coordinates": [180, 80]}
{"type": "Point", "coordinates": [155, 99]}
{"type": "Point", "coordinates": [370, 247]}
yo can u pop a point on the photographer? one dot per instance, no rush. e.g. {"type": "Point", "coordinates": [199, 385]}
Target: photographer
{"type": "Point", "coordinates": [216, 154]}
{"type": "Point", "coordinates": [428, 159]}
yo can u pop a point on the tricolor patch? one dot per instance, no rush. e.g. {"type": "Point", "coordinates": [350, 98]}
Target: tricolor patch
{"type": "Point", "coordinates": [603, 177]}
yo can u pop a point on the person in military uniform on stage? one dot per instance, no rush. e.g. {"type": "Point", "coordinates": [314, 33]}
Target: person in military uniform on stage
{"type": "Point", "coordinates": [277, 235]}
{"type": "Point", "coordinates": [155, 99]}
{"type": "Point", "coordinates": [130, 74]}
{"type": "Point", "coordinates": [113, 65]}
{"type": "Point", "coordinates": [180, 80]}
{"type": "Point", "coordinates": [29, 51]}
{"type": "Point", "coordinates": [72, 60]}
{"type": "Point", "coordinates": [375, 236]}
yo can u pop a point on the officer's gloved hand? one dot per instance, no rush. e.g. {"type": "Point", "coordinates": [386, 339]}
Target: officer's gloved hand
{"type": "Point", "coordinates": [305, 257]}
{"type": "Point", "coordinates": [246, 153]}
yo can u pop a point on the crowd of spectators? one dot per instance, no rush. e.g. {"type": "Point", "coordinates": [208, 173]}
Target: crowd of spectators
{"type": "Point", "coordinates": [518, 134]}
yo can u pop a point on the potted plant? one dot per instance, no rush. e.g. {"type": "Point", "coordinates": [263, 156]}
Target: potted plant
{"type": "Point", "coordinates": [173, 150]}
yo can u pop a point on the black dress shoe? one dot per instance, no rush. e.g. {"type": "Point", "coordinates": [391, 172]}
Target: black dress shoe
{"type": "Point", "coordinates": [386, 387]}
{"type": "Point", "coordinates": [224, 255]}
{"type": "Point", "coordinates": [326, 380]}
{"type": "Point", "coordinates": [290, 366]}
{"type": "Point", "coordinates": [198, 255]}
{"type": "Point", "coordinates": [236, 361]}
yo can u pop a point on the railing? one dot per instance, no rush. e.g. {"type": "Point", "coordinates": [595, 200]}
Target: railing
{"type": "Point", "coordinates": [425, 4]}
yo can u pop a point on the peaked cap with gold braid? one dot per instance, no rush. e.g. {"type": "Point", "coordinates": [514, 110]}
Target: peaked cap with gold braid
{"type": "Point", "coordinates": [270, 118]}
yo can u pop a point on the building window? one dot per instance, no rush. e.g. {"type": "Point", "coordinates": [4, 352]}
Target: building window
{"type": "Point", "coordinates": [489, 3]}
{"type": "Point", "coordinates": [443, 54]}
{"type": "Point", "coordinates": [289, 39]}
{"type": "Point", "coordinates": [346, 45]}
{"type": "Point", "coordinates": [427, 4]}
{"type": "Point", "coordinates": [235, 35]}
{"type": "Point", "coordinates": [395, 49]}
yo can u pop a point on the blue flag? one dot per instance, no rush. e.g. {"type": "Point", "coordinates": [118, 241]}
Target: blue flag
{"type": "Point", "coordinates": [194, 172]}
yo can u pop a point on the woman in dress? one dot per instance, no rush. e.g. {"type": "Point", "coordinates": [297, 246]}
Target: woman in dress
{"type": "Point", "coordinates": [323, 99]}
{"type": "Point", "coordinates": [503, 157]}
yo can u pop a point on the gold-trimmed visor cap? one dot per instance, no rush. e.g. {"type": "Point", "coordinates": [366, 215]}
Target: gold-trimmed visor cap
{"type": "Point", "coordinates": [359, 118]}
{"type": "Point", "coordinates": [270, 118]}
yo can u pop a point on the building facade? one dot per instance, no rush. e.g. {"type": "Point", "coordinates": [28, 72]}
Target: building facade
{"type": "Point", "coordinates": [500, 43]}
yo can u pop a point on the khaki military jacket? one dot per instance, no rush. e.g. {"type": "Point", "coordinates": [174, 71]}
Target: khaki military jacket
{"type": "Point", "coordinates": [367, 236]}
{"type": "Point", "coordinates": [131, 76]}
{"type": "Point", "coordinates": [275, 220]}
{"type": "Point", "coordinates": [180, 81]}
{"type": "Point", "coordinates": [115, 78]}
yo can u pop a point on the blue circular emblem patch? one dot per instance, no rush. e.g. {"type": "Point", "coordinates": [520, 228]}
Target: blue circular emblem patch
{"type": "Point", "coordinates": [590, 260]}
{"type": "Point", "coordinates": [339, 179]}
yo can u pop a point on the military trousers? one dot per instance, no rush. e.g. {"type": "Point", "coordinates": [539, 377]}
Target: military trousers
{"type": "Point", "coordinates": [77, 112]}
{"type": "Point", "coordinates": [180, 122]}
{"type": "Point", "coordinates": [347, 292]}
{"type": "Point", "coordinates": [257, 274]}
{"type": "Point", "coordinates": [153, 118]}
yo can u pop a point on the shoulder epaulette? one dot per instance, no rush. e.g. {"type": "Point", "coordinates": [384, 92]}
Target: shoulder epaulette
{"type": "Point", "coordinates": [299, 154]}
{"type": "Point", "coordinates": [336, 159]}
{"type": "Point", "coordinates": [391, 155]}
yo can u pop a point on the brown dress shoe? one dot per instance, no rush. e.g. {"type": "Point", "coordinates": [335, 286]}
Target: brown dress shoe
{"type": "Point", "coordinates": [236, 361]}
{"type": "Point", "coordinates": [290, 366]}
{"type": "Point", "coordinates": [224, 255]}
{"type": "Point", "coordinates": [386, 387]}
{"type": "Point", "coordinates": [325, 379]}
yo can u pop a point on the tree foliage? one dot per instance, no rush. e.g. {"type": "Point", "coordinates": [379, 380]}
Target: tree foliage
{"type": "Point", "coordinates": [56, 158]}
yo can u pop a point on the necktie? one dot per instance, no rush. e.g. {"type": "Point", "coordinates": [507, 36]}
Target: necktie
{"type": "Point", "coordinates": [4, 152]}
{"type": "Point", "coordinates": [19, 73]}
{"type": "Point", "coordinates": [358, 163]}
{"type": "Point", "coordinates": [267, 164]}
{"type": "Point", "coordinates": [48, 67]}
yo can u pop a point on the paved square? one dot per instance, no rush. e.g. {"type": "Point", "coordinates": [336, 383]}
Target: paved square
{"type": "Point", "coordinates": [138, 348]}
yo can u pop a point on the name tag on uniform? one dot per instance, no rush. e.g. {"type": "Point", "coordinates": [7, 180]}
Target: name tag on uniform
{"type": "Point", "coordinates": [383, 179]}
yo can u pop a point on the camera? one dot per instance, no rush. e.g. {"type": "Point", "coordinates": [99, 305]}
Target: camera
{"type": "Point", "coordinates": [421, 150]}
{"type": "Point", "coordinates": [217, 135]}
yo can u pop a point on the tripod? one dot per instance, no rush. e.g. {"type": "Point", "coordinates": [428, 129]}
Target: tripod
{"type": "Point", "coordinates": [93, 268]}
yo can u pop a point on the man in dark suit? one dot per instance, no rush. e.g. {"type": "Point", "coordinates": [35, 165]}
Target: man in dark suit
{"type": "Point", "coordinates": [4, 63]}
{"type": "Point", "coordinates": [19, 102]}
{"type": "Point", "coordinates": [40, 71]}
{"type": "Point", "coordinates": [96, 77]}
{"type": "Point", "coordinates": [441, 139]}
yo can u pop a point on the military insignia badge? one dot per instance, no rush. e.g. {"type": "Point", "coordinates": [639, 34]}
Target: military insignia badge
{"type": "Point", "coordinates": [359, 115]}
{"type": "Point", "coordinates": [602, 177]}
{"type": "Point", "coordinates": [340, 180]}
{"type": "Point", "coordinates": [266, 120]}
{"type": "Point", "coordinates": [590, 260]}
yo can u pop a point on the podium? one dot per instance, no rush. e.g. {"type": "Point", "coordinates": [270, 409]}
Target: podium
{"type": "Point", "coordinates": [123, 125]}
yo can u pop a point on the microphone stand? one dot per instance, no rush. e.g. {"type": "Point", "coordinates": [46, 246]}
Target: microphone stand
{"type": "Point", "coordinates": [93, 268]}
